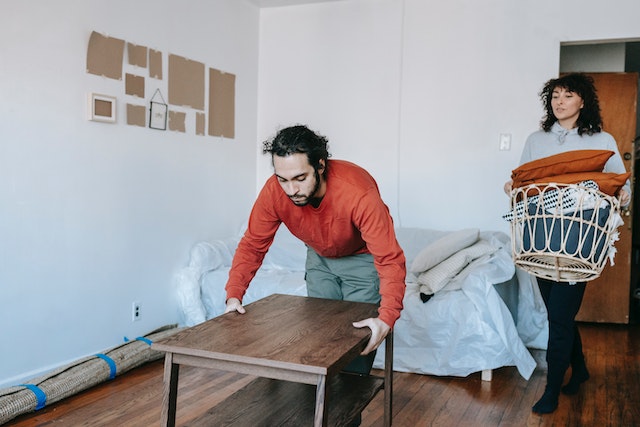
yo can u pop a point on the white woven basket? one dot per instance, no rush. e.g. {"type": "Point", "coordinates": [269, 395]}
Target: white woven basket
{"type": "Point", "coordinates": [563, 232]}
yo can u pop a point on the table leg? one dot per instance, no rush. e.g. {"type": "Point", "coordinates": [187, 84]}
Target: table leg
{"type": "Point", "coordinates": [322, 391]}
{"type": "Point", "coordinates": [170, 392]}
{"type": "Point", "coordinates": [388, 379]}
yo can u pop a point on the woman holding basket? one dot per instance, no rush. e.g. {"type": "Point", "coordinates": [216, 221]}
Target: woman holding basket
{"type": "Point", "coordinates": [572, 121]}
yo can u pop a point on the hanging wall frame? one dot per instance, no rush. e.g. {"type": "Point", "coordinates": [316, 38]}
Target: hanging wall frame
{"type": "Point", "coordinates": [158, 112]}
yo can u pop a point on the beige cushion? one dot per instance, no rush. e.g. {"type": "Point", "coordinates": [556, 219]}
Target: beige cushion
{"type": "Point", "coordinates": [443, 248]}
{"type": "Point", "coordinates": [434, 279]}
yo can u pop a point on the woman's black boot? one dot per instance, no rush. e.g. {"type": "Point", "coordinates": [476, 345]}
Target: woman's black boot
{"type": "Point", "coordinates": [579, 372]}
{"type": "Point", "coordinates": [549, 400]}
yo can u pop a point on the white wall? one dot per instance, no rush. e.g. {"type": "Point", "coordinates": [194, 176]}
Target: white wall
{"type": "Point", "coordinates": [336, 67]}
{"type": "Point", "coordinates": [420, 91]}
{"type": "Point", "coordinates": [94, 216]}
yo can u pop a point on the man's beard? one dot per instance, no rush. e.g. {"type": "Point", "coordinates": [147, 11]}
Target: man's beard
{"type": "Point", "coordinates": [303, 201]}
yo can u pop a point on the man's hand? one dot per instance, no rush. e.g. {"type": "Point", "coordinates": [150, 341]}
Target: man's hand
{"type": "Point", "coordinates": [234, 304]}
{"type": "Point", "coordinates": [379, 331]}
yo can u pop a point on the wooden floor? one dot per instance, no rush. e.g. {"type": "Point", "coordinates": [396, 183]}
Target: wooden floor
{"type": "Point", "coordinates": [610, 398]}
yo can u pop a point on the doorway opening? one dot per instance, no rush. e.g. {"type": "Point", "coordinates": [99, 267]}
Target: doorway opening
{"type": "Point", "coordinates": [615, 57]}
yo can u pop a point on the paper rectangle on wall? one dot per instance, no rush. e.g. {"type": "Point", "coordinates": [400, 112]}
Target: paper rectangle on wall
{"type": "Point", "coordinates": [222, 103]}
{"type": "Point", "coordinates": [136, 115]}
{"type": "Point", "coordinates": [134, 85]}
{"type": "Point", "coordinates": [105, 56]}
{"type": "Point", "coordinates": [103, 108]}
{"type": "Point", "coordinates": [155, 64]}
{"type": "Point", "coordinates": [186, 82]}
{"type": "Point", "coordinates": [200, 117]}
{"type": "Point", "coordinates": [177, 120]}
{"type": "Point", "coordinates": [137, 55]}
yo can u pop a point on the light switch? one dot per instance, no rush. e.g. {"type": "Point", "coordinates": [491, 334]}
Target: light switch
{"type": "Point", "coordinates": [505, 141]}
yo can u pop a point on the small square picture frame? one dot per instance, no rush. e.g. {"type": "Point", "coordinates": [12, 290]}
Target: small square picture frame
{"type": "Point", "coordinates": [102, 108]}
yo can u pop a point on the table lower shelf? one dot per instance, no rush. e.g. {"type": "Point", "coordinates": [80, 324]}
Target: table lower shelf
{"type": "Point", "coordinates": [266, 402]}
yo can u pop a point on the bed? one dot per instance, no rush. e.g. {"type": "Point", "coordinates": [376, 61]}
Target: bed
{"type": "Point", "coordinates": [474, 313]}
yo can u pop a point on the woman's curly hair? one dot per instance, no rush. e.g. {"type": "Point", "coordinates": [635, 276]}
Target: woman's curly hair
{"type": "Point", "coordinates": [299, 139]}
{"type": "Point", "coordinates": [589, 121]}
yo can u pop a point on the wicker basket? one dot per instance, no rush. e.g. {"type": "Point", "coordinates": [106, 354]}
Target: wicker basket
{"type": "Point", "coordinates": [563, 232]}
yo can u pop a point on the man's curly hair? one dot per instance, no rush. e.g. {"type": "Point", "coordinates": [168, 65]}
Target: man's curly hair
{"type": "Point", "coordinates": [299, 139]}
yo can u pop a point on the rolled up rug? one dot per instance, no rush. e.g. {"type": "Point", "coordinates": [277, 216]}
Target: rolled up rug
{"type": "Point", "coordinates": [80, 375]}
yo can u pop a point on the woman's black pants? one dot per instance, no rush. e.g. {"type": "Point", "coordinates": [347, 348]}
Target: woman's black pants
{"type": "Point", "coordinates": [564, 347]}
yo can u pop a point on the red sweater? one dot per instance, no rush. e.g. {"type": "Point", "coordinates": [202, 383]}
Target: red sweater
{"type": "Point", "coordinates": [351, 219]}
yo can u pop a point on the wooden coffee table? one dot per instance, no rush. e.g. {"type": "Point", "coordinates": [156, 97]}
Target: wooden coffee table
{"type": "Point", "coordinates": [296, 347]}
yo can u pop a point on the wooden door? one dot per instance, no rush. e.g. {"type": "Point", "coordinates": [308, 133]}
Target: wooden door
{"type": "Point", "coordinates": [608, 298]}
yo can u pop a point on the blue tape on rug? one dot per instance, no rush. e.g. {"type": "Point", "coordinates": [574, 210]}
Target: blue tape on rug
{"type": "Point", "coordinates": [41, 397]}
{"type": "Point", "coordinates": [111, 363]}
{"type": "Point", "coordinates": [143, 339]}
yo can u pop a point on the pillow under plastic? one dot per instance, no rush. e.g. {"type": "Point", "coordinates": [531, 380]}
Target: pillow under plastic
{"type": "Point", "coordinates": [443, 248]}
{"type": "Point", "coordinates": [287, 252]}
{"type": "Point", "coordinates": [206, 256]}
{"type": "Point", "coordinates": [436, 278]}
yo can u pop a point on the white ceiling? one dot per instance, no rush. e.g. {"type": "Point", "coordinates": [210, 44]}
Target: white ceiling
{"type": "Point", "coordinates": [276, 3]}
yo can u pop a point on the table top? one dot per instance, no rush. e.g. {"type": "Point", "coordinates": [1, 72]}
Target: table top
{"type": "Point", "coordinates": [305, 334]}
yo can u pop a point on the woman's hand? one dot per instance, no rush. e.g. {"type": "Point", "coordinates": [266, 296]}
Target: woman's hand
{"type": "Point", "coordinates": [508, 186]}
{"type": "Point", "coordinates": [625, 197]}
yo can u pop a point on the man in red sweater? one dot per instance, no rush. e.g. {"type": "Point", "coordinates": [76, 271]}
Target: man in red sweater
{"type": "Point", "coordinates": [335, 208]}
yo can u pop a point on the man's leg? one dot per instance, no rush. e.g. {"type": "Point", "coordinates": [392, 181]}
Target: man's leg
{"type": "Point", "coordinates": [352, 278]}
{"type": "Point", "coordinates": [321, 281]}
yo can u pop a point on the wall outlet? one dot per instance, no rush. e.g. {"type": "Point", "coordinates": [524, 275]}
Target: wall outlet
{"type": "Point", "coordinates": [136, 311]}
